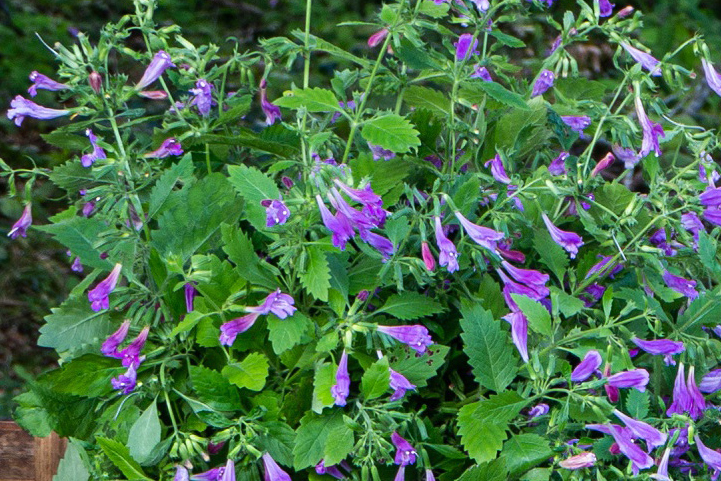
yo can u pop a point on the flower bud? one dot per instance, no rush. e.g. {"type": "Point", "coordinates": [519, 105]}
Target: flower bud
{"type": "Point", "coordinates": [95, 81]}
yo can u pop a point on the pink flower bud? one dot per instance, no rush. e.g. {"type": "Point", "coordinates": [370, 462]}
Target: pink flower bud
{"type": "Point", "coordinates": [95, 81]}
{"type": "Point", "coordinates": [428, 258]}
{"type": "Point", "coordinates": [377, 37]}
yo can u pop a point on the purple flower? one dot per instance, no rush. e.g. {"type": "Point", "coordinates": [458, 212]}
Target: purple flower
{"type": "Point", "coordinates": [272, 470]}
{"type": "Point", "coordinates": [276, 213]}
{"type": "Point", "coordinates": [497, 170]}
{"type": "Point", "coordinates": [126, 382]}
{"type": "Point", "coordinates": [526, 276]}
{"type": "Point", "coordinates": [589, 365]}
{"type": "Point", "coordinates": [98, 296]}
{"type": "Point", "coordinates": [377, 37]}
{"type": "Point", "coordinates": [20, 227]}
{"type": "Point", "coordinates": [570, 241]}
{"type": "Point", "coordinates": [679, 284]}
{"type": "Point", "coordinates": [429, 475]}
{"type": "Point", "coordinates": [605, 8]}
{"type": "Point", "coordinates": [543, 83]}
{"type": "Point", "coordinates": [131, 353]}
{"type": "Point", "coordinates": [697, 404]}
{"type": "Point", "coordinates": [540, 409]}
{"type": "Point", "coordinates": [203, 97]}
{"type": "Point", "coordinates": [41, 81]}
{"type": "Point", "coordinates": [272, 112]}
{"type": "Point", "coordinates": [711, 197]}
{"type": "Point", "coordinates": [229, 471]}
{"type": "Point", "coordinates": [640, 430]}
{"type": "Point", "coordinates": [427, 256]}
{"type": "Point", "coordinates": [190, 293]}
{"type": "Point", "coordinates": [160, 95]}
{"type": "Point", "coordinates": [601, 268]}
{"type": "Point", "coordinates": [681, 398]}
{"type": "Point", "coordinates": [379, 243]}
{"type": "Point", "coordinates": [647, 61]}
{"type": "Point", "coordinates": [579, 461]}
{"type": "Point", "coordinates": [466, 46]}
{"type": "Point", "coordinates": [181, 474]}
{"type": "Point", "coordinates": [341, 388]}
{"type": "Point", "coordinates": [399, 384]}
{"type": "Point", "coordinates": [519, 332]}
{"type": "Point", "coordinates": [22, 107]}
{"type": "Point", "coordinates": [629, 156]}
{"type": "Point", "coordinates": [663, 347]}
{"type": "Point", "coordinates": [405, 454]}
{"type": "Point", "coordinates": [380, 153]}
{"type": "Point", "coordinates": [161, 62]}
{"type": "Point", "coordinates": [169, 147]}
{"type": "Point", "coordinates": [372, 202]}
{"type": "Point", "coordinates": [713, 79]}
{"type": "Point", "coordinates": [76, 266]}
{"type": "Point", "coordinates": [651, 131]}
{"type": "Point", "coordinates": [95, 81]}
{"type": "Point", "coordinates": [711, 382]}
{"type": "Point", "coordinates": [448, 255]}
{"type": "Point", "coordinates": [110, 346]}
{"type": "Point", "coordinates": [712, 215]}
{"type": "Point", "coordinates": [577, 123]}
{"type": "Point", "coordinates": [401, 474]}
{"type": "Point", "coordinates": [662, 472]}
{"type": "Point", "coordinates": [482, 236]}
{"type": "Point", "coordinates": [321, 468]}
{"type": "Point", "coordinates": [482, 73]}
{"type": "Point", "coordinates": [635, 378]}
{"type": "Point", "coordinates": [230, 330]}
{"type": "Point", "coordinates": [210, 475]}
{"type": "Point", "coordinates": [98, 153]}
{"type": "Point", "coordinates": [276, 302]}
{"type": "Point", "coordinates": [415, 336]}
{"type": "Point", "coordinates": [339, 225]}
{"type": "Point", "coordinates": [88, 208]}
{"type": "Point", "coordinates": [711, 457]}
{"type": "Point", "coordinates": [482, 5]}
{"type": "Point", "coordinates": [639, 459]}
{"type": "Point", "coordinates": [603, 163]}
{"type": "Point", "coordinates": [558, 165]}
{"type": "Point", "coordinates": [534, 292]}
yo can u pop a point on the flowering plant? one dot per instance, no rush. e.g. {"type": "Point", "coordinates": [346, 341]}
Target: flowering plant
{"type": "Point", "coordinates": [420, 267]}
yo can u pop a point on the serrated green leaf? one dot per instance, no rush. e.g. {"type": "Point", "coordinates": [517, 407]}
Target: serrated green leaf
{"type": "Point", "coordinates": [567, 304]}
{"type": "Point", "coordinates": [707, 253]}
{"type": "Point", "coordinates": [254, 186]}
{"type": "Point", "coordinates": [637, 404]}
{"type": "Point", "coordinates": [240, 251]}
{"type": "Point", "coordinates": [86, 376]}
{"type": "Point", "coordinates": [72, 467]}
{"type": "Point", "coordinates": [247, 138]}
{"type": "Point", "coordinates": [145, 435]}
{"type": "Point", "coordinates": [278, 440]}
{"type": "Point", "coordinates": [287, 333]}
{"type": "Point", "coordinates": [427, 98]}
{"type": "Point", "coordinates": [506, 39]}
{"type": "Point", "coordinates": [410, 305]}
{"type": "Point", "coordinates": [341, 444]}
{"type": "Point", "coordinates": [312, 436]}
{"type": "Point", "coordinates": [375, 379]}
{"type": "Point", "coordinates": [214, 389]}
{"type": "Point", "coordinates": [323, 381]}
{"type": "Point", "coordinates": [487, 348]}
{"type": "Point", "coordinates": [250, 373]}
{"type": "Point", "coordinates": [180, 173]}
{"type": "Point", "coordinates": [73, 324]}
{"type": "Point", "coordinates": [525, 451]}
{"type": "Point", "coordinates": [615, 197]}
{"type": "Point", "coordinates": [79, 234]}
{"type": "Point", "coordinates": [120, 457]}
{"type": "Point", "coordinates": [434, 10]}
{"type": "Point", "coordinates": [312, 99]}
{"type": "Point", "coordinates": [316, 277]}
{"type": "Point", "coordinates": [474, 91]}
{"type": "Point", "coordinates": [31, 414]}
{"type": "Point", "coordinates": [538, 317]}
{"type": "Point", "coordinates": [418, 369]}
{"type": "Point", "coordinates": [491, 471]}
{"type": "Point", "coordinates": [552, 255]}
{"type": "Point", "coordinates": [391, 132]}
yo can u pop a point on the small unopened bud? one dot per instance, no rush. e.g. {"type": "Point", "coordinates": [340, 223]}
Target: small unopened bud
{"type": "Point", "coordinates": [362, 295]}
{"type": "Point", "coordinates": [95, 81]}
{"type": "Point", "coordinates": [377, 37]}
{"type": "Point", "coordinates": [625, 11]}
{"type": "Point", "coordinates": [287, 182]}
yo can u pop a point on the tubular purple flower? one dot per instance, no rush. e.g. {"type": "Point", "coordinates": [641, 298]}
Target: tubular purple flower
{"type": "Point", "coordinates": [359, 220]}
{"type": "Point", "coordinates": [647, 61]}
{"type": "Point", "coordinates": [230, 330]}
{"type": "Point", "coordinates": [448, 255]}
{"type": "Point", "coordinates": [639, 459]}
{"type": "Point", "coordinates": [662, 472]}
{"type": "Point", "coordinates": [276, 302]}
{"type": "Point", "coordinates": [98, 153]}
{"type": "Point", "coordinates": [273, 472]}
{"type": "Point", "coordinates": [697, 403]}
{"type": "Point", "coordinates": [579, 461]}
{"type": "Point", "coordinates": [482, 5]}
{"type": "Point", "coordinates": [181, 474]}
{"type": "Point", "coordinates": [641, 430]}
{"type": "Point", "coordinates": [88, 208]}
{"type": "Point", "coordinates": [497, 170]}
{"type": "Point", "coordinates": [159, 95]}
{"type": "Point", "coordinates": [577, 123]}
{"type": "Point", "coordinates": [535, 292]}
{"type": "Point", "coordinates": [131, 353]}
{"type": "Point", "coordinates": [713, 79]}
{"type": "Point", "coordinates": [169, 147]}
{"type": "Point", "coordinates": [21, 107]}
{"type": "Point", "coordinates": [692, 223]}
{"type": "Point", "coordinates": [429, 475]}
{"type": "Point", "coordinates": [526, 276]}
{"type": "Point", "coordinates": [681, 399]}
{"type": "Point", "coordinates": [558, 165]}
{"type": "Point", "coordinates": [372, 202]}
{"type": "Point", "coordinates": [601, 268]}
{"type": "Point", "coordinates": [379, 243]}
{"type": "Point", "coordinates": [651, 131]}
{"type": "Point", "coordinates": [401, 474]}
{"type": "Point", "coordinates": [339, 225]}
{"type": "Point", "coordinates": [272, 112]}
{"type": "Point", "coordinates": [405, 454]}
{"type": "Point", "coordinates": [209, 475]}
{"type": "Point", "coordinates": [635, 378]}
{"type": "Point", "coordinates": [658, 347]}
{"type": "Point", "coordinates": [98, 296]}
{"type": "Point", "coordinates": [321, 468]}
{"type": "Point", "coordinates": [711, 197]}
{"type": "Point", "coordinates": [629, 157]}
{"type": "Point", "coordinates": [543, 83]}
{"type": "Point", "coordinates": [711, 382]}
{"type": "Point", "coordinates": [110, 346]}
{"type": "Point", "coordinates": [589, 365]}
{"type": "Point", "coordinates": [679, 284]}
{"type": "Point", "coordinates": [427, 256]}
{"type": "Point", "coordinates": [712, 215]}
{"type": "Point", "coordinates": [603, 163]}
{"type": "Point", "coordinates": [160, 63]}
{"type": "Point", "coordinates": [466, 45]}
{"type": "Point", "coordinates": [380, 153]}
{"type": "Point", "coordinates": [190, 293]}
{"type": "Point", "coordinates": [228, 472]}
{"type": "Point", "coordinates": [570, 241]}
{"type": "Point", "coordinates": [76, 266]}
{"type": "Point", "coordinates": [341, 388]}
{"type": "Point", "coordinates": [711, 457]}
{"type": "Point", "coordinates": [519, 332]}
{"type": "Point", "coordinates": [415, 336]}
{"type": "Point", "coordinates": [377, 37]}
{"type": "Point", "coordinates": [126, 382]}
{"type": "Point", "coordinates": [41, 81]}
{"type": "Point", "coordinates": [540, 409]}
{"type": "Point", "coordinates": [482, 73]}
{"type": "Point", "coordinates": [20, 227]}
{"type": "Point", "coordinates": [203, 97]}
{"type": "Point", "coordinates": [605, 8]}
{"type": "Point", "coordinates": [276, 212]}
{"type": "Point", "coordinates": [400, 384]}
{"type": "Point", "coordinates": [482, 236]}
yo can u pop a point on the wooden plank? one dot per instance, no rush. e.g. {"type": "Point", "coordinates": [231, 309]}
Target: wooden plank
{"type": "Point", "coordinates": [25, 458]}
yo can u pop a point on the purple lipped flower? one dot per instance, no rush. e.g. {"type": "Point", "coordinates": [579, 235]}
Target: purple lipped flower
{"type": "Point", "coordinates": [98, 153]}
{"type": "Point", "coordinates": [540, 409]}
{"type": "Point", "coordinates": [577, 123]}
{"type": "Point", "coordinates": [190, 292]}
{"type": "Point", "coordinates": [273, 472]}
{"type": "Point", "coordinates": [679, 284]}
{"type": "Point", "coordinates": [519, 332]}
{"type": "Point", "coordinates": [602, 268]}
{"type": "Point", "coordinates": [181, 474]}
{"type": "Point", "coordinates": [358, 219]}
{"type": "Point", "coordinates": [713, 215]}
{"type": "Point", "coordinates": [515, 256]}
{"type": "Point", "coordinates": [482, 236]}
{"type": "Point", "coordinates": [276, 302]}
{"type": "Point", "coordinates": [228, 473]}
{"type": "Point", "coordinates": [372, 202]}
{"type": "Point", "coordinates": [160, 63]}
{"type": "Point", "coordinates": [713, 79]}
{"type": "Point", "coordinates": [203, 96]}
{"type": "Point", "coordinates": [379, 243]}
{"type": "Point", "coordinates": [681, 401]}
{"type": "Point", "coordinates": [641, 430]}
{"type": "Point", "coordinates": [639, 459]}
{"type": "Point", "coordinates": [589, 365]}
{"type": "Point", "coordinates": [651, 131]}
{"type": "Point", "coordinates": [131, 353]}
{"type": "Point", "coordinates": [339, 225]}
{"type": "Point", "coordinates": [603, 163]}
{"type": "Point", "coordinates": [511, 287]}
{"type": "Point", "coordinates": [482, 5]}
{"type": "Point", "coordinates": [405, 453]}
{"type": "Point", "coordinates": [276, 212]}
{"type": "Point", "coordinates": [635, 378]}
{"type": "Point", "coordinates": [558, 165]}
{"type": "Point", "coordinates": [711, 382]}
{"type": "Point", "coordinates": [646, 60]}
{"type": "Point", "coordinates": [21, 107]}
{"type": "Point", "coordinates": [126, 382]}
{"type": "Point", "coordinates": [497, 170]}
{"type": "Point", "coordinates": [427, 255]}
{"type": "Point", "coordinates": [400, 384]}
{"type": "Point", "coordinates": [526, 276]}
{"type": "Point", "coordinates": [466, 45]}
{"type": "Point", "coordinates": [230, 330]}
{"type": "Point", "coordinates": [110, 345]}
{"type": "Point", "coordinates": [20, 227]}
{"type": "Point", "coordinates": [612, 392]}
{"type": "Point", "coordinates": [272, 112]}
{"type": "Point", "coordinates": [341, 388]}
{"type": "Point", "coordinates": [400, 474]}
{"type": "Point", "coordinates": [170, 146]}
{"type": "Point", "coordinates": [482, 73]}
{"type": "Point", "coordinates": [570, 241]}
{"type": "Point", "coordinates": [98, 296]}
{"type": "Point", "coordinates": [321, 468]}
{"type": "Point", "coordinates": [554, 46]}
{"type": "Point", "coordinates": [711, 457]}
{"type": "Point", "coordinates": [414, 336]}
{"type": "Point", "coordinates": [628, 156]}
{"type": "Point", "coordinates": [448, 255]}
{"type": "Point", "coordinates": [658, 347]}
{"type": "Point", "coordinates": [377, 37]}
{"type": "Point", "coordinates": [543, 83]}
{"type": "Point", "coordinates": [697, 403]}
{"type": "Point", "coordinates": [662, 471]}
{"type": "Point", "coordinates": [711, 197]}
{"type": "Point", "coordinates": [209, 475]}
{"type": "Point", "coordinates": [41, 81]}
{"type": "Point", "coordinates": [605, 8]}
{"type": "Point", "coordinates": [579, 461]}
{"type": "Point", "coordinates": [380, 153]}
{"type": "Point", "coordinates": [76, 266]}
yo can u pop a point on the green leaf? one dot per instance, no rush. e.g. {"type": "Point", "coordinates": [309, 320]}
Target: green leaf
{"type": "Point", "coordinates": [242, 137]}
{"type": "Point", "coordinates": [474, 91]}
{"type": "Point", "coordinates": [615, 197]}
{"type": "Point", "coordinates": [145, 435]}
{"type": "Point", "coordinates": [316, 276]}
{"type": "Point", "coordinates": [278, 440]}
{"type": "Point", "coordinates": [375, 379]}
{"type": "Point", "coordinates": [287, 333]}
{"type": "Point", "coordinates": [410, 305]}
{"type": "Point", "coordinates": [552, 255]}
{"type": "Point", "coordinates": [31, 414]}
{"type": "Point", "coordinates": [525, 451]}
{"type": "Point", "coordinates": [312, 99]}
{"type": "Point", "coordinates": [178, 174]}
{"type": "Point", "coordinates": [72, 467]}
{"type": "Point", "coordinates": [486, 346]}
{"type": "Point", "coordinates": [312, 436]}
{"type": "Point", "coordinates": [391, 132]}
{"type": "Point", "coordinates": [567, 304]}
{"type": "Point", "coordinates": [341, 444]}
{"type": "Point", "coordinates": [240, 251]}
{"type": "Point", "coordinates": [214, 389]}
{"type": "Point", "coordinates": [433, 10]}
{"type": "Point", "coordinates": [86, 376]}
{"type": "Point", "coordinates": [707, 250]}
{"type": "Point", "coordinates": [637, 404]}
{"type": "Point", "coordinates": [506, 39]}
{"type": "Point", "coordinates": [239, 107]}
{"type": "Point", "coordinates": [188, 322]}
{"type": "Point", "coordinates": [73, 324]}
{"type": "Point", "coordinates": [427, 98]}
{"type": "Point", "coordinates": [120, 457]}
{"type": "Point", "coordinates": [418, 369]}
{"type": "Point", "coordinates": [323, 381]}
{"type": "Point", "coordinates": [254, 186]}
{"type": "Point", "coordinates": [538, 317]}
{"type": "Point", "coordinates": [492, 471]}
{"type": "Point", "coordinates": [384, 176]}
{"type": "Point", "coordinates": [80, 234]}
{"type": "Point", "coordinates": [250, 373]}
